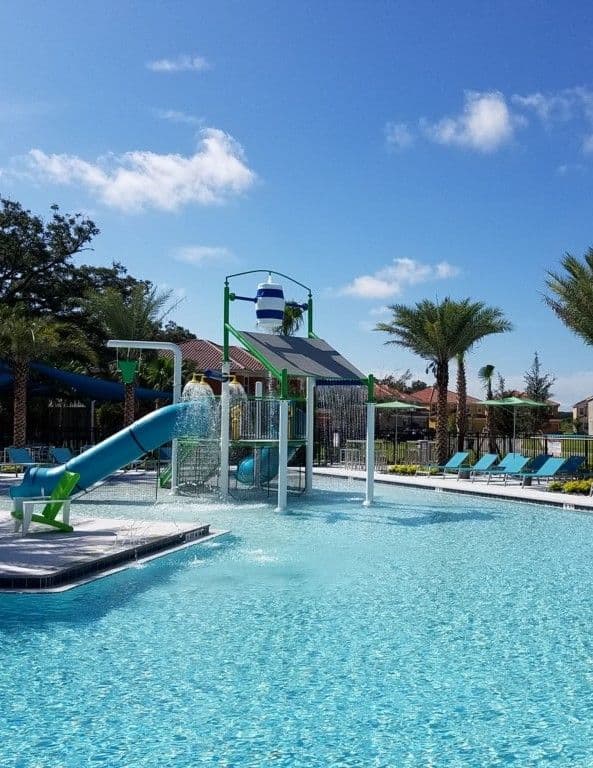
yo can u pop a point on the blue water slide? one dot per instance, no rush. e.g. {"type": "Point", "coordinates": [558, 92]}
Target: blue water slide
{"type": "Point", "coordinates": [97, 389]}
{"type": "Point", "coordinates": [158, 427]}
{"type": "Point", "coordinates": [268, 466]}
{"type": "Point", "coordinates": [33, 389]}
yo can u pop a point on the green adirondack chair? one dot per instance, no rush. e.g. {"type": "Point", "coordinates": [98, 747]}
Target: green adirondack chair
{"type": "Point", "coordinates": [55, 502]}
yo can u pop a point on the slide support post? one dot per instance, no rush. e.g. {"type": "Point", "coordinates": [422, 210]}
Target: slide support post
{"type": "Point", "coordinates": [282, 453]}
{"type": "Point", "coordinates": [370, 444]}
{"type": "Point", "coordinates": [225, 414]}
{"type": "Point", "coordinates": [310, 433]}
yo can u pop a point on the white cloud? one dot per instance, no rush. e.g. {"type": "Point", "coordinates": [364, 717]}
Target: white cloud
{"type": "Point", "coordinates": [175, 116]}
{"type": "Point", "coordinates": [562, 106]}
{"type": "Point", "coordinates": [391, 280]}
{"type": "Point", "coordinates": [199, 254]}
{"type": "Point", "coordinates": [549, 108]}
{"type": "Point", "coordinates": [139, 180]}
{"type": "Point", "coordinates": [567, 105]}
{"type": "Point", "coordinates": [378, 311]}
{"type": "Point", "coordinates": [182, 63]}
{"type": "Point", "coordinates": [485, 124]}
{"type": "Point", "coordinates": [588, 144]}
{"type": "Point", "coordinates": [398, 136]}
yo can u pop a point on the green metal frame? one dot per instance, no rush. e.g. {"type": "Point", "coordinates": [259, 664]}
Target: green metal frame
{"type": "Point", "coordinates": [280, 375]}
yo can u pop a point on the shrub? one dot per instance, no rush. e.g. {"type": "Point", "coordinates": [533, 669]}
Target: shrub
{"type": "Point", "coordinates": [577, 486]}
{"type": "Point", "coordinates": [404, 469]}
{"type": "Point", "coordinates": [411, 469]}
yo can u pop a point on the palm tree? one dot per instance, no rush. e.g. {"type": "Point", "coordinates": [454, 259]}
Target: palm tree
{"type": "Point", "coordinates": [572, 294]}
{"type": "Point", "coordinates": [136, 316]}
{"type": "Point", "coordinates": [486, 376]}
{"type": "Point", "coordinates": [158, 374]}
{"type": "Point", "coordinates": [480, 321]}
{"type": "Point", "coordinates": [461, 415]}
{"type": "Point", "coordinates": [292, 320]}
{"type": "Point", "coordinates": [438, 332]}
{"type": "Point", "coordinates": [24, 338]}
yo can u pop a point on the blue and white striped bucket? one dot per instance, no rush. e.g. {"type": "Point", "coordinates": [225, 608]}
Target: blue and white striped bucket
{"type": "Point", "coordinates": [269, 306]}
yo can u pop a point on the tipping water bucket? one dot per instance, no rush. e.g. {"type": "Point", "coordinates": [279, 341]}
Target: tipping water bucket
{"type": "Point", "coordinates": [128, 370]}
{"type": "Point", "coordinates": [269, 305]}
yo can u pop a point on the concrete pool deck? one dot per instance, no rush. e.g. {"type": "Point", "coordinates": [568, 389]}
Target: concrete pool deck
{"type": "Point", "coordinates": [537, 494]}
{"type": "Point", "coordinates": [51, 561]}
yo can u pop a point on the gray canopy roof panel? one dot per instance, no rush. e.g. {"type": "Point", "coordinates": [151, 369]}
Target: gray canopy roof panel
{"type": "Point", "coordinates": [303, 357]}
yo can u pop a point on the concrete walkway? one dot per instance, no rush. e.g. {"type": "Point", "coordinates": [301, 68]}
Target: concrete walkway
{"type": "Point", "coordinates": [496, 488]}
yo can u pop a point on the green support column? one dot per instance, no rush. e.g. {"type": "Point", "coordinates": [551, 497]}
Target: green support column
{"type": "Point", "coordinates": [225, 400]}
{"type": "Point", "coordinates": [225, 330]}
{"type": "Point", "coordinates": [284, 385]}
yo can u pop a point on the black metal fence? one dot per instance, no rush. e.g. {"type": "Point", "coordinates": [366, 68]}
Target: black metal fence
{"type": "Point", "coordinates": [388, 450]}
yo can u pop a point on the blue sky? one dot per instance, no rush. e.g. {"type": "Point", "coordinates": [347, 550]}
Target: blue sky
{"type": "Point", "coordinates": [379, 152]}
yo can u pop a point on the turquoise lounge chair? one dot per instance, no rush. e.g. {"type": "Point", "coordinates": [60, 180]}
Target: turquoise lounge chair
{"type": "Point", "coordinates": [61, 455]}
{"type": "Point", "coordinates": [548, 470]}
{"type": "Point", "coordinates": [538, 462]}
{"type": "Point", "coordinates": [485, 462]}
{"type": "Point", "coordinates": [514, 464]}
{"type": "Point", "coordinates": [19, 457]}
{"type": "Point", "coordinates": [454, 464]}
{"type": "Point", "coordinates": [572, 466]}
{"type": "Point", "coordinates": [495, 468]}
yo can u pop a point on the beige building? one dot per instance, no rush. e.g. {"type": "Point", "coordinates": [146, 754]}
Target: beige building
{"type": "Point", "coordinates": [582, 414]}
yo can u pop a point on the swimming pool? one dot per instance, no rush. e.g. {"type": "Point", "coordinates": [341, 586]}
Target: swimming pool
{"type": "Point", "coordinates": [428, 630]}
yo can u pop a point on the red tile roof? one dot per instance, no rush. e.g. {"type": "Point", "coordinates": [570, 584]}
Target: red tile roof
{"type": "Point", "coordinates": [207, 355]}
{"type": "Point", "coordinates": [429, 395]}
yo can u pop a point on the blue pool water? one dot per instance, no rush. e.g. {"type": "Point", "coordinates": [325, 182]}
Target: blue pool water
{"type": "Point", "coordinates": [429, 630]}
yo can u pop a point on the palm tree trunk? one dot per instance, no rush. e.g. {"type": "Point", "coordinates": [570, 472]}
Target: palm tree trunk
{"type": "Point", "coordinates": [129, 404]}
{"type": "Point", "coordinates": [442, 381]}
{"type": "Point", "coordinates": [461, 417]}
{"type": "Point", "coordinates": [20, 373]}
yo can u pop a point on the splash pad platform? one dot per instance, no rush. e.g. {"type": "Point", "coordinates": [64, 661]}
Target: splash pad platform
{"type": "Point", "coordinates": [54, 562]}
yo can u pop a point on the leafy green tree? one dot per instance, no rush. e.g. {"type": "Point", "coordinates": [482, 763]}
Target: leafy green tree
{"type": "Point", "coordinates": [36, 257]}
{"type": "Point", "coordinates": [571, 294]}
{"type": "Point", "coordinates": [403, 382]}
{"type": "Point", "coordinates": [24, 338]}
{"type": "Point", "coordinates": [136, 315]}
{"type": "Point", "coordinates": [175, 333]}
{"type": "Point", "coordinates": [439, 332]}
{"type": "Point", "coordinates": [503, 417]}
{"type": "Point", "coordinates": [158, 374]}
{"type": "Point", "coordinates": [538, 387]}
